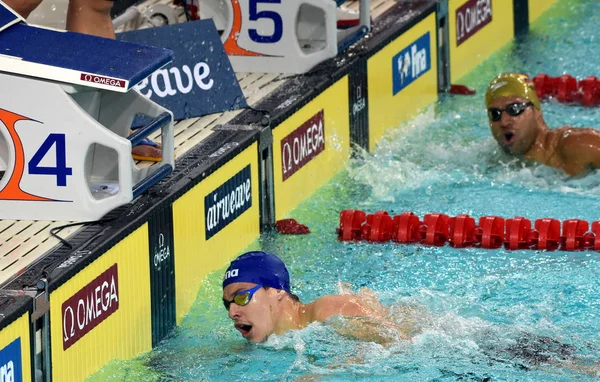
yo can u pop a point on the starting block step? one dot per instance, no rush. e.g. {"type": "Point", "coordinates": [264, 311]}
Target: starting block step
{"type": "Point", "coordinates": [65, 142]}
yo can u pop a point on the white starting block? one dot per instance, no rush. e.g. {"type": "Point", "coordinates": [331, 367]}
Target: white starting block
{"type": "Point", "coordinates": [277, 36]}
{"type": "Point", "coordinates": [282, 36]}
{"type": "Point", "coordinates": [66, 108]}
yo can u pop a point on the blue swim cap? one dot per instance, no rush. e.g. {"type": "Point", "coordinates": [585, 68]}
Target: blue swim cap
{"type": "Point", "coordinates": [258, 268]}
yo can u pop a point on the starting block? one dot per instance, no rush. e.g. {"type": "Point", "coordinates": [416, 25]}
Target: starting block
{"type": "Point", "coordinates": [66, 109]}
{"type": "Point", "coordinates": [274, 36]}
{"type": "Point", "coordinates": [282, 36]}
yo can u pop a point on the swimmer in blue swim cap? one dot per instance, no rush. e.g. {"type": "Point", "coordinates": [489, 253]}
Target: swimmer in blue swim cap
{"type": "Point", "coordinates": [517, 124]}
{"type": "Point", "coordinates": [258, 297]}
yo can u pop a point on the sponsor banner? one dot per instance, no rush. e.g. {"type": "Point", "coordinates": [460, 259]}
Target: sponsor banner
{"type": "Point", "coordinates": [477, 29]}
{"type": "Point", "coordinates": [471, 17]}
{"type": "Point", "coordinates": [101, 80]}
{"type": "Point", "coordinates": [197, 258]}
{"type": "Point", "coordinates": [359, 108]}
{"type": "Point", "coordinates": [91, 305]}
{"type": "Point", "coordinates": [162, 273]}
{"type": "Point", "coordinates": [227, 202]}
{"type": "Point", "coordinates": [302, 145]}
{"type": "Point", "coordinates": [200, 79]}
{"type": "Point", "coordinates": [10, 362]}
{"type": "Point", "coordinates": [311, 146]}
{"type": "Point", "coordinates": [388, 106]}
{"type": "Point", "coordinates": [99, 305]}
{"type": "Point", "coordinates": [411, 63]}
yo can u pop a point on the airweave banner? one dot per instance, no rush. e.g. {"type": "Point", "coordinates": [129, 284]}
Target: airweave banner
{"type": "Point", "coordinates": [226, 203]}
{"type": "Point", "coordinates": [200, 79]}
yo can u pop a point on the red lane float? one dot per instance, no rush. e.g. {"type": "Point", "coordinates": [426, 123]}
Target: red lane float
{"type": "Point", "coordinates": [350, 223]}
{"type": "Point", "coordinates": [378, 227]}
{"type": "Point", "coordinates": [568, 89]}
{"type": "Point", "coordinates": [406, 228]}
{"type": "Point", "coordinates": [462, 231]}
{"type": "Point", "coordinates": [291, 227]}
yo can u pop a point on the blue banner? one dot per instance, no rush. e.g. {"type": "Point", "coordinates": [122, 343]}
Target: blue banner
{"type": "Point", "coordinates": [411, 63]}
{"type": "Point", "coordinates": [200, 80]}
{"type": "Point", "coordinates": [10, 362]}
{"type": "Point", "coordinates": [226, 203]}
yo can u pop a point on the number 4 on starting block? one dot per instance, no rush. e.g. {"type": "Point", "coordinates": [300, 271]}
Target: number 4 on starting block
{"type": "Point", "coordinates": [66, 109]}
{"type": "Point", "coordinates": [281, 36]}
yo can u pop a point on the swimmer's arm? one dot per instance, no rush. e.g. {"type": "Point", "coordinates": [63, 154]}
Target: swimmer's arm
{"type": "Point", "coordinates": [353, 305]}
{"type": "Point", "coordinates": [356, 308]}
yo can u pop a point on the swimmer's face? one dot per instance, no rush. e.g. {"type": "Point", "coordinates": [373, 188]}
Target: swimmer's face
{"type": "Point", "coordinates": [256, 320]}
{"type": "Point", "coordinates": [515, 134]}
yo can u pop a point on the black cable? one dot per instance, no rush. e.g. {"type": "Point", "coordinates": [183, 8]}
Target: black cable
{"type": "Point", "coordinates": [54, 231]}
{"type": "Point", "coordinates": [186, 11]}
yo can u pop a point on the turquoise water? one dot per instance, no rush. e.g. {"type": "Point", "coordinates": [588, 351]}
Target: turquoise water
{"type": "Point", "coordinates": [479, 301]}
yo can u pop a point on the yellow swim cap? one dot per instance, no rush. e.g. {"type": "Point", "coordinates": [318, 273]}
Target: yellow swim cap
{"type": "Point", "coordinates": [512, 84]}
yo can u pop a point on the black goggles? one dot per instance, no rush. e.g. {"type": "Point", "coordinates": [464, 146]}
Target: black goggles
{"type": "Point", "coordinates": [513, 110]}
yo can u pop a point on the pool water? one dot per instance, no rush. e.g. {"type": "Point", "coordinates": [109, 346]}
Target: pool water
{"type": "Point", "coordinates": [479, 302]}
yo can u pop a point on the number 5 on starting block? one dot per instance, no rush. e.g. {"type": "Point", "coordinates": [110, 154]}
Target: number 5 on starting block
{"type": "Point", "coordinates": [281, 36]}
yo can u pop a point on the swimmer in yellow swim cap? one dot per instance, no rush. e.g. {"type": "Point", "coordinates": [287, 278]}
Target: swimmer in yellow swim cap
{"type": "Point", "coordinates": [517, 124]}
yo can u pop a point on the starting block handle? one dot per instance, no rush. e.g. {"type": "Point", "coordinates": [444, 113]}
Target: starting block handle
{"type": "Point", "coordinates": [364, 7]}
{"type": "Point", "coordinates": [353, 37]}
{"type": "Point", "coordinates": [143, 132]}
{"type": "Point", "coordinates": [151, 180]}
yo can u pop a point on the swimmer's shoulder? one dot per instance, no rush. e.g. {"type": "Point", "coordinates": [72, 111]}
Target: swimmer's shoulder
{"type": "Point", "coordinates": [573, 140]}
{"type": "Point", "coordinates": [332, 305]}
{"type": "Point", "coordinates": [577, 149]}
{"type": "Point", "coordinates": [571, 134]}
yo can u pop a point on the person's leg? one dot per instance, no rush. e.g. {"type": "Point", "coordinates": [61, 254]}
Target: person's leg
{"type": "Point", "coordinates": [90, 17]}
{"type": "Point", "coordinates": [23, 7]}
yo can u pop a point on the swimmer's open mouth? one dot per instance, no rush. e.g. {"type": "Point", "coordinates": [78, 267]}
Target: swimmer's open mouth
{"type": "Point", "coordinates": [509, 137]}
{"type": "Point", "coordinates": [244, 329]}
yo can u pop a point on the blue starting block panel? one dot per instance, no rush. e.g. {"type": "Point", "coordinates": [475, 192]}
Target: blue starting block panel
{"type": "Point", "coordinates": [76, 58]}
{"type": "Point", "coordinates": [8, 17]}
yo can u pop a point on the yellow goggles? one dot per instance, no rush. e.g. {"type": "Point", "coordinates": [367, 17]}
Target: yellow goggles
{"type": "Point", "coordinates": [242, 298]}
